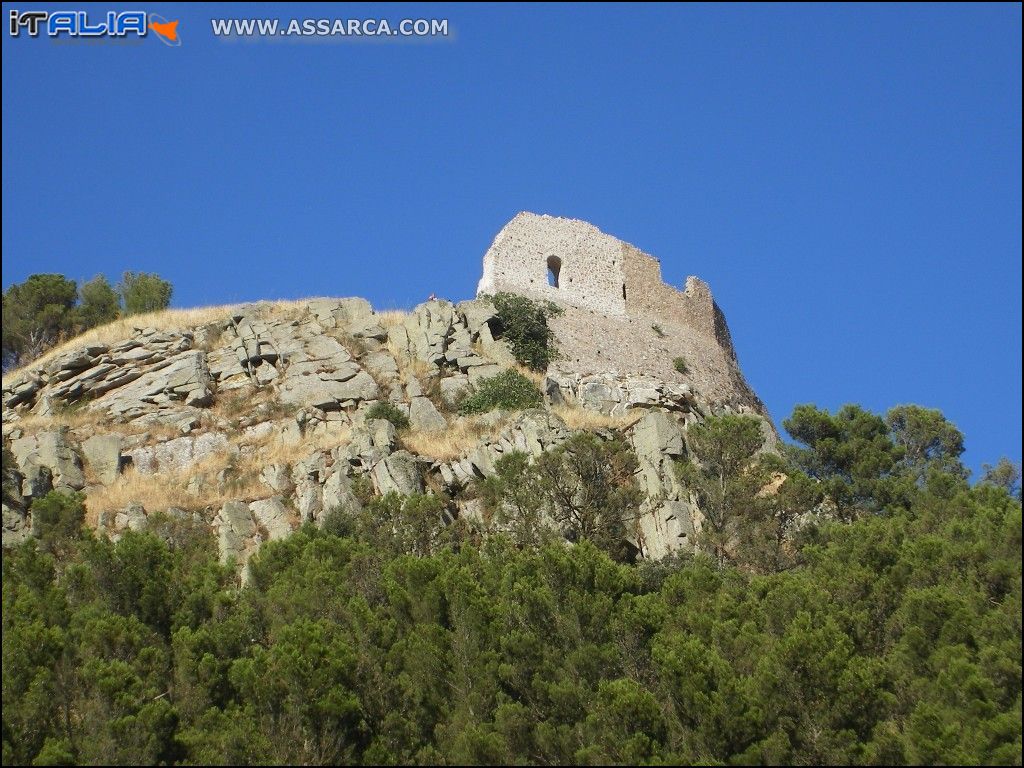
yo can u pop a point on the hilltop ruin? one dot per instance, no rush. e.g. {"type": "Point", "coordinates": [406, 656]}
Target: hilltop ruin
{"type": "Point", "coordinates": [620, 316]}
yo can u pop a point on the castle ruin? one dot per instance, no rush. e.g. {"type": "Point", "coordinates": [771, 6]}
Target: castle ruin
{"type": "Point", "coordinates": [573, 263]}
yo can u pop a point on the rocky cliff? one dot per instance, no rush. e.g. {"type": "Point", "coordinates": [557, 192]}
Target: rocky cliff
{"type": "Point", "coordinates": [252, 418]}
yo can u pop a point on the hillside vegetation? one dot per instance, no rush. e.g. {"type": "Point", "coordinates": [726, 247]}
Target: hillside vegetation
{"type": "Point", "coordinates": [887, 632]}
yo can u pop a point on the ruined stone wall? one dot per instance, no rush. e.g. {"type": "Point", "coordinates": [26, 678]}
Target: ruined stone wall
{"type": "Point", "coordinates": [596, 272]}
{"type": "Point", "coordinates": [648, 297]}
{"type": "Point", "coordinates": [589, 263]}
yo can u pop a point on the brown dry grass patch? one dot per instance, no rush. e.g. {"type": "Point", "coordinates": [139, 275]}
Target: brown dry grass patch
{"type": "Point", "coordinates": [576, 418]}
{"type": "Point", "coordinates": [389, 318]}
{"type": "Point", "coordinates": [458, 439]}
{"type": "Point", "coordinates": [164, 320]}
{"type": "Point", "coordinates": [74, 418]}
{"type": "Point", "coordinates": [160, 490]}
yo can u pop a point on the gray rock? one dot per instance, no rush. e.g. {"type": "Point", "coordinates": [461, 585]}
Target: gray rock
{"type": "Point", "coordinates": [423, 416]}
{"type": "Point", "coordinates": [308, 477]}
{"type": "Point", "coordinates": [180, 453]}
{"type": "Point", "coordinates": [273, 515]}
{"type": "Point", "coordinates": [330, 394]}
{"type": "Point", "coordinates": [452, 387]}
{"type": "Point", "coordinates": [277, 478]}
{"type": "Point", "coordinates": [338, 494]}
{"type": "Point", "coordinates": [17, 527]}
{"type": "Point", "coordinates": [184, 378]}
{"type": "Point", "coordinates": [665, 529]}
{"type": "Point", "coordinates": [47, 459]}
{"type": "Point", "coordinates": [553, 392]}
{"type": "Point", "coordinates": [657, 434]}
{"type": "Point", "coordinates": [236, 531]}
{"type": "Point", "coordinates": [371, 441]}
{"type": "Point", "coordinates": [424, 334]}
{"type": "Point", "coordinates": [483, 372]}
{"type": "Point", "coordinates": [397, 473]}
{"type": "Point", "coordinates": [102, 454]}
{"type": "Point", "coordinates": [533, 432]}
{"type": "Point", "coordinates": [131, 518]}
{"type": "Point", "coordinates": [382, 364]}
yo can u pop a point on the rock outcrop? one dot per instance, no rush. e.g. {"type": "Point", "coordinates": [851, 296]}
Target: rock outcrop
{"type": "Point", "coordinates": [254, 418]}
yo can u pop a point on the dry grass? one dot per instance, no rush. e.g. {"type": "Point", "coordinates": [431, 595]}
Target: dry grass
{"type": "Point", "coordinates": [537, 377]}
{"type": "Point", "coordinates": [74, 418]}
{"type": "Point", "coordinates": [95, 420]}
{"type": "Point", "coordinates": [417, 369]}
{"type": "Point", "coordinates": [165, 320]}
{"type": "Point", "coordinates": [161, 490]}
{"type": "Point", "coordinates": [582, 418]}
{"type": "Point", "coordinates": [389, 318]}
{"type": "Point", "coordinates": [124, 328]}
{"type": "Point", "coordinates": [447, 444]}
{"type": "Point", "coordinates": [272, 449]}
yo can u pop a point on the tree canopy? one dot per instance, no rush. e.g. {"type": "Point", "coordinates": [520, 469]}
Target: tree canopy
{"type": "Point", "coordinates": [47, 309]}
{"type": "Point", "coordinates": [388, 636]}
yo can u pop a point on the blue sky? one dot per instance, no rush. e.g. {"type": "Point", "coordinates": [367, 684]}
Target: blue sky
{"type": "Point", "coordinates": [847, 179]}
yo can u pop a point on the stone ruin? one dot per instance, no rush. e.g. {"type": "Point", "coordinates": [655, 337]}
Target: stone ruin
{"type": "Point", "coordinates": [620, 316]}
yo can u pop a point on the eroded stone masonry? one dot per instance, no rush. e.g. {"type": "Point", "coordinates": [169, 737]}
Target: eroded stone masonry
{"type": "Point", "coordinates": [620, 315]}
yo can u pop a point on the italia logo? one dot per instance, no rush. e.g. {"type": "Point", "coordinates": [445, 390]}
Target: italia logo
{"type": "Point", "coordinates": [119, 24]}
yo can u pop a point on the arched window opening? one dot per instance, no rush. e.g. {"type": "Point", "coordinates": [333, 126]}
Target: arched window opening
{"type": "Point", "coordinates": [554, 267]}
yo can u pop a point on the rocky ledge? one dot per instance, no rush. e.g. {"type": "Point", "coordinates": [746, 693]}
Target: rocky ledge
{"type": "Point", "coordinates": [254, 422]}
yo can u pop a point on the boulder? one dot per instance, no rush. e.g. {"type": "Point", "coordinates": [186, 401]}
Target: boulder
{"type": "Point", "coordinates": [46, 459]}
{"type": "Point", "coordinates": [273, 515]}
{"type": "Point", "coordinates": [102, 455]}
{"type": "Point", "coordinates": [370, 442]}
{"type": "Point", "coordinates": [423, 416]}
{"type": "Point", "coordinates": [338, 494]}
{"type": "Point", "coordinates": [397, 473]}
{"type": "Point", "coordinates": [236, 531]}
{"type": "Point", "coordinates": [452, 387]}
{"type": "Point", "coordinates": [180, 453]}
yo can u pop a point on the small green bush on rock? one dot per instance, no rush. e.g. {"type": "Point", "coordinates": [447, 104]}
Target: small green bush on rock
{"type": "Point", "coordinates": [508, 390]}
{"type": "Point", "coordinates": [525, 327]}
{"type": "Point", "coordinates": [680, 365]}
{"type": "Point", "coordinates": [388, 412]}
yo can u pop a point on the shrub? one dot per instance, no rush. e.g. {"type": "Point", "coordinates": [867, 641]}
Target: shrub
{"type": "Point", "coordinates": [57, 519]}
{"type": "Point", "coordinates": [525, 327]}
{"type": "Point", "coordinates": [680, 365]}
{"type": "Point", "coordinates": [509, 390]}
{"type": "Point", "coordinates": [388, 412]}
{"type": "Point", "coordinates": [657, 330]}
{"type": "Point", "coordinates": [585, 486]}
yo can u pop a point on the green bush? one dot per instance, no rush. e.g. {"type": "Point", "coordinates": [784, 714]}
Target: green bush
{"type": "Point", "coordinates": [525, 327]}
{"type": "Point", "coordinates": [57, 519]}
{"type": "Point", "coordinates": [388, 412]}
{"type": "Point", "coordinates": [680, 365]}
{"type": "Point", "coordinates": [508, 390]}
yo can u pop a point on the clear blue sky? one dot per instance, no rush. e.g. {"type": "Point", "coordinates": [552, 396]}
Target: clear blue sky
{"type": "Point", "coordinates": [847, 179]}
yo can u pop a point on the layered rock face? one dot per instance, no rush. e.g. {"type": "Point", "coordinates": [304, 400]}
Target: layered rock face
{"type": "Point", "coordinates": [253, 419]}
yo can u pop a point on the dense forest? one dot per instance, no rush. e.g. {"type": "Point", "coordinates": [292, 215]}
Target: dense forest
{"type": "Point", "coordinates": [885, 628]}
